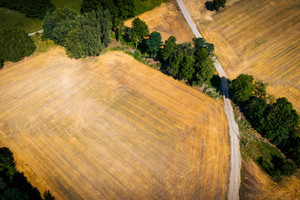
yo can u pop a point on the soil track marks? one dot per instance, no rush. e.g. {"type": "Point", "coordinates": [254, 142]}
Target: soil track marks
{"type": "Point", "coordinates": [112, 128]}
{"type": "Point", "coordinates": [261, 38]}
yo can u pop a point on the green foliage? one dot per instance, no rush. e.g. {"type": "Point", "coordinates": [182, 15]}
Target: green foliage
{"type": "Point", "coordinates": [13, 184]}
{"type": "Point", "coordinates": [218, 4]}
{"type": "Point", "coordinates": [173, 65]}
{"type": "Point", "coordinates": [15, 45]}
{"type": "Point", "coordinates": [187, 68]}
{"type": "Point", "coordinates": [280, 119]}
{"type": "Point", "coordinates": [242, 88]}
{"type": "Point", "coordinates": [204, 71]}
{"type": "Point", "coordinates": [168, 49]}
{"type": "Point", "coordinates": [153, 43]}
{"type": "Point", "coordinates": [31, 8]}
{"type": "Point", "coordinates": [138, 31]}
{"type": "Point", "coordinates": [200, 43]}
{"type": "Point", "coordinates": [254, 111]}
{"type": "Point", "coordinates": [185, 48]}
{"type": "Point", "coordinates": [83, 35]}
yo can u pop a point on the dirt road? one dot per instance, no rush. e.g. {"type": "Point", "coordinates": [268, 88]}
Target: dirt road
{"type": "Point", "coordinates": [235, 157]}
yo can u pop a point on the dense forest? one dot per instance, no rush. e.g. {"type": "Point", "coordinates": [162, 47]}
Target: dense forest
{"type": "Point", "coordinates": [13, 184]}
{"type": "Point", "coordinates": [276, 120]}
{"type": "Point", "coordinates": [15, 45]}
{"type": "Point", "coordinates": [82, 35]}
{"type": "Point", "coordinates": [31, 8]}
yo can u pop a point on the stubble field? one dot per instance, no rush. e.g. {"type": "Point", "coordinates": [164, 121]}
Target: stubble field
{"type": "Point", "coordinates": [261, 38]}
{"type": "Point", "coordinates": [112, 128]}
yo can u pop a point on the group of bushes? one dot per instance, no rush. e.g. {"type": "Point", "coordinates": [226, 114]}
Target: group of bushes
{"type": "Point", "coordinates": [82, 35]}
{"type": "Point", "coordinates": [278, 121]}
{"type": "Point", "coordinates": [31, 8]}
{"type": "Point", "coordinates": [192, 63]}
{"type": "Point", "coordinates": [13, 184]}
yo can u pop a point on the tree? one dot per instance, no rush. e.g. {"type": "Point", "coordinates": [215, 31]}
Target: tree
{"type": "Point", "coordinates": [204, 71]}
{"type": "Point", "coordinates": [254, 111]}
{"type": "Point", "coordinates": [173, 64]}
{"type": "Point", "coordinates": [218, 4]}
{"type": "Point", "coordinates": [201, 54]}
{"type": "Point", "coordinates": [15, 45]}
{"type": "Point", "coordinates": [168, 49]}
{"type": "Point", "coordinates": [280, 119]}
{"type": "Point", "coordinates": [138, 31]}
{"type": "Point", "coordinates": [187, 68]}
{"type": "Point", "coordinates": [153, 43]}
{"type": "Point", "coordinates": [201, 43]}
{"type": "Point", "coordinates": [242, 88]}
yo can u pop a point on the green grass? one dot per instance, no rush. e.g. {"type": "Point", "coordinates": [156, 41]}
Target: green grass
{"type": "Point", "coordinates": [72, 4]}
{"type": "Point", "coordinates": [42, 45]}
{"type": "Point", "coordinates": [15, 19]}
{"type": "Point", "coordinates": [147, 5]}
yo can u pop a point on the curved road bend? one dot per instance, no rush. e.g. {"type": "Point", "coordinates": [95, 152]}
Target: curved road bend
{"type": "Point", "coordinates": [235, 156]}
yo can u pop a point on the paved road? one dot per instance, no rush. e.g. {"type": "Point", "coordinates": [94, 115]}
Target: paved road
{"type": "Point", "coordinates": [235, 156]}
{"type": "Point", "coordinates": [32, 34]}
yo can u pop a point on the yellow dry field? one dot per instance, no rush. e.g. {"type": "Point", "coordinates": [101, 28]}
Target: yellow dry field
{"type": "Point", "coordinates": [257, 185]}
{"type": "Point", "coordinates": [167, 20]}
{"type": "Point", "coordinates": [261, 38]}
{"type": "Point", "coordinates": [112, 128]}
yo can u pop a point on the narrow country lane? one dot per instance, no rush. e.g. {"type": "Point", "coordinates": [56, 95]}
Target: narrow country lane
{"type": "Point", "coordinates": [235, 156]}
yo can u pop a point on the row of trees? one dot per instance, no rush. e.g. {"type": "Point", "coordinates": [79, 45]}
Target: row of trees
{"type": "Point", "coordinates": [278, 121]}
{"type": "Point", "coordinates": [120, 9]}
{"type": "Point", "coordinates": [13, 184]}
{"type": "Point", "coordinates": [15, 44]}
{"type": "Point", "coordinates": [82, 35]}
{"type": "Point", "coordinates": [31, 8]}
{"type": "Point", "coordinates": [192, 63]}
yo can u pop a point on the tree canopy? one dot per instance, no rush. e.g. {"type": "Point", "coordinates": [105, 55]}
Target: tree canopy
{"type": "Point", "coordinates": [153, 43]}
{"type": "Point", "coordinates": [82, 35]}
{"type": "Point", "coordinates": [242, 88]}
{"type": "Point", "coordinates": [139, 30]}
{"type": "Point", "coordinates": [219, 3]}
{"type": "Point", "coordinates": [15, 45]}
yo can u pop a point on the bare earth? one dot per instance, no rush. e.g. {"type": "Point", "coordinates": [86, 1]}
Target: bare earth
{"type": "Point", "coordinates": [112, 128]}
{"type": "Point", "coordinates": [235, 155]}
{"type": "Point", "coordinates": [261, 38]}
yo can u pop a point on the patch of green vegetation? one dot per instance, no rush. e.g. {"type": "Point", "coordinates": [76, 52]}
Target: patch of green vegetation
{"type": "Point", "coordinates": [143, 6]}
{"type": "Point", "coordinates": [42, 44]}
{"type": "Point", "coordinates": [71, 4]}
{"type": "Point", "coordinates": [15, 19]}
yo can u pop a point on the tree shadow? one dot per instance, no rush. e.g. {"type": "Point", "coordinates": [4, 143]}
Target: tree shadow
{"type": "Point", "coordinates": [209, 5]}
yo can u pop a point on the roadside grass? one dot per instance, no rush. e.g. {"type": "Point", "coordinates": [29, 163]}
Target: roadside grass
{"type": "Point", "coordinates": [15, 19]}
{"type": "Point", "coordinates": [73, 4]}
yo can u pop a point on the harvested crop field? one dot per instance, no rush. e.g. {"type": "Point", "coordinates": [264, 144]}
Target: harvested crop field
{"type": "Point", "coordinates": [167, 20]}
{"type": "Point", "coordinates": [258, 185]}
{"type": "Point", "coordinates": [112, 128]}
{"type": "Point", "coordinates": [261, 38]}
